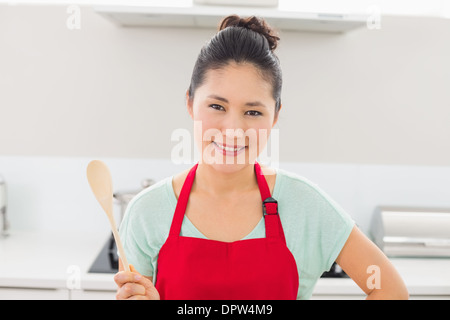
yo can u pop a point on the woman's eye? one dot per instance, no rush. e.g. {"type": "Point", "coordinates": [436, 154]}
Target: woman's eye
{"type": "Point", "coordinates": [216, 107]}
{"type": "Point", "coordinates": [253, 113]}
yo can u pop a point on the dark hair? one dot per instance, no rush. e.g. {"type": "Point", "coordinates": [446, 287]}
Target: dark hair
{"type": "Point", "coordinates": [243, 40]}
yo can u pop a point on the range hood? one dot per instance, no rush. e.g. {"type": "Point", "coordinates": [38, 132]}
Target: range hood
{"type": "Point", "coordinates": [204, 16]}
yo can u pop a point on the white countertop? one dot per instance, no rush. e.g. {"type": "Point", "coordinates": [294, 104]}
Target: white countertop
{"type": "Point", "coordinates": [40, 260]}
{"type": "Point", "coordinates": [423, 277]}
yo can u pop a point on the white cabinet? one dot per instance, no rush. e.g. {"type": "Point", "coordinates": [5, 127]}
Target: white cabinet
{"type": "Point", "coordinates": [9, 293]}
{"type": "Point", "coordinates": [33, 294]}
{"type": "Point", "coordinates": [92, 295]}
{"type": "Point", "coordinates": [65, 294]}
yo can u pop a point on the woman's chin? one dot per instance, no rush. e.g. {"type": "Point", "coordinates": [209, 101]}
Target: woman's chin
{"type": "Point", "coordinates": [227, 164]}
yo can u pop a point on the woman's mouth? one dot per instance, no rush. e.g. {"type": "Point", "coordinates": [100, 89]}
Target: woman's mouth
{"type": "Point", "coordinates": [227, 150]}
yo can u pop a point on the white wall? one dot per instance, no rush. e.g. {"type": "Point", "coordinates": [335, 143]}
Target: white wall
{"type": "Point", "coordinates": [378, 97]}
{"type": "Point", "coordinates": [52, 193]}
{"type": "Point", "coordinates": [365, 115]}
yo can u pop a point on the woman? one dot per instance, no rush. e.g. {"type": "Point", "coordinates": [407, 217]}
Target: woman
{"type": "Point", "coordinates": [227, 228]}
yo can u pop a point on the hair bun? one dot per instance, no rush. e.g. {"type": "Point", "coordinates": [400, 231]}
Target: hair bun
{"type": "Point", "coordinates": [254, 23]}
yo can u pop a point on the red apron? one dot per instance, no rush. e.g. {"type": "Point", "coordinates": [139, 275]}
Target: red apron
{"type": "Point", "coordinates": [253, 269]}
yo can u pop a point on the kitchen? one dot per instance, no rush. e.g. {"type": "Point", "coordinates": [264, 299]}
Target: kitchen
{"type": "Point", "coordinates": [365, 116]}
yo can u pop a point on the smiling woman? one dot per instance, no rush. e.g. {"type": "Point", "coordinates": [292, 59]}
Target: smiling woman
{"type": "Point", "coordinates": [236, 89]}
{"type": "Point", "coordinates": [232, 44]}
{"type": "Point", "coordinates": [238, 117]}
{"type": "Point", "coordinates": [230, 229]}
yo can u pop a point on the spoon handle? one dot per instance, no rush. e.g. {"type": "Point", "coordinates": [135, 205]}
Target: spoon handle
{"type": "Point", "coordinates": [120, 248]}
{"type": "Point", "coordinates": [119, 245]}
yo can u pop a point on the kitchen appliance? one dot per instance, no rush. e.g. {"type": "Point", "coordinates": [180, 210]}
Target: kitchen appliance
{"type": "Point", "coordinates": [411, 232]}
{"type": "Point", "coordinates": [107, 261]}
{"type": "Point", "coordinates": [3, 205]}
{"type": "Point", "coordinates": [335, 272]}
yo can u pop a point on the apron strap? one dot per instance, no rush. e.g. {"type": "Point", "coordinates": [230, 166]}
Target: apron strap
{"type": "Point", "coordinates": [182, 202]}
{"type": "Point", "coordinates": [270, 205]}
{"type": "Point", "coordinates": [272, 220]}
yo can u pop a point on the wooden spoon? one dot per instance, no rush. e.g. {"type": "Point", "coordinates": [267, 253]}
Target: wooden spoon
{"type": "Point", "coordinates": [100, 181]}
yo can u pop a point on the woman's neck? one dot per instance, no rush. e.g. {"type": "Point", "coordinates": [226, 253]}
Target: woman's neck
{"type": "Point", "coordinates": [214, 182]}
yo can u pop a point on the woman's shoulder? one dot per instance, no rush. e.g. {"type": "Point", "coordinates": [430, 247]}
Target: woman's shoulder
{"type": "Point", "coordinates": [298, 189]}
{"type": "Point", "coordinates": [295, 180]}
{"type": "Point", "coordinates": [158, 196]}
{"type": "Point", "coordinates": [288, 181]}
{"type": "Point", "coordinates": [301, 194]}
{"type": "Point", "coordinates": [162, 195]}
{"type": "Point", "coordinates": [178, 181]}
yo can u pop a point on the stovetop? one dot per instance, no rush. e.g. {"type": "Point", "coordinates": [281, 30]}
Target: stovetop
{"type": "Point", "coordinates": [107, 261]}
{"type": "Point", "coordinates": [335, 272]}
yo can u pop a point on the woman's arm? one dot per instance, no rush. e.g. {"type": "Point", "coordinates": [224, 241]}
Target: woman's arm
{"type": "Point", "coordinates": [372, 271]}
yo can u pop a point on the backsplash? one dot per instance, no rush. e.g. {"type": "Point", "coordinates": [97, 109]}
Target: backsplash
{"type": "Point", "coordinates": [52, 193]}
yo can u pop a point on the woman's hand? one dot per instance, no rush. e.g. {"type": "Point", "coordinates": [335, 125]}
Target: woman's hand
{"type": "Point", "coordinates": [134, 286]}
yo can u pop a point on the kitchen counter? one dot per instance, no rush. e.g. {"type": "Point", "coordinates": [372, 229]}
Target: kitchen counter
{"type": "Point", "coordinates": [35, 264]}
{"type": "Point", "coordinates": [426, 278]}
{"type": "Point", "coordinates": [53, 262]}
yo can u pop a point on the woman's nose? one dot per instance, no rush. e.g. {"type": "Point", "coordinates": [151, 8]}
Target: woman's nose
{"type": "Point", "coordinates": [233, 128]}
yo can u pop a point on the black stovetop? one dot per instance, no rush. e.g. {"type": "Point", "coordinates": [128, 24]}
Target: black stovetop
{"type": "Point", "coordinates": [107, 260]}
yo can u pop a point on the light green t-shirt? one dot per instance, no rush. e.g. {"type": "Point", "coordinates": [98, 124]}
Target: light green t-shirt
{"type": "Point", "coordinates": [315, 227]}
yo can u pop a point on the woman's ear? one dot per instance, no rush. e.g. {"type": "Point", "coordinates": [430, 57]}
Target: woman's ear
{"type": "Point", "coordinates": [276, 116]}
{"type": "Point", "coordinates": [190, 105]}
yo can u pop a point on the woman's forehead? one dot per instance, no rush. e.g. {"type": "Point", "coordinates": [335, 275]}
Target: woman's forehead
{"type": "Point", "coordinates": [236, 80]}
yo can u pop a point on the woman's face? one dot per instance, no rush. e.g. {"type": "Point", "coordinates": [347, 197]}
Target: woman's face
{"type": "Point", "coordinates": [234, 112]}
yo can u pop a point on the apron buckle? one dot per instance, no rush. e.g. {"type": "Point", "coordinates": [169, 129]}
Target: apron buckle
{"type": "Point", "coordinates": [270, 206]}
